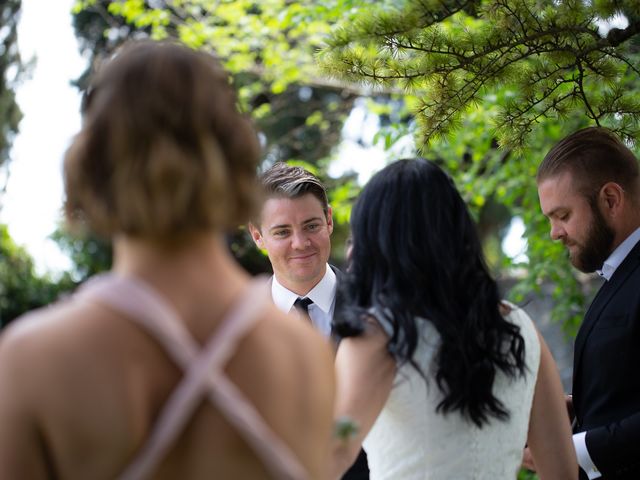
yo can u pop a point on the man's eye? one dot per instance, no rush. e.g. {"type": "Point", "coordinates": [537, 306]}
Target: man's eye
{"type": "Point", "coordinates": [280, 233]}
{"type": "Point", "coordinates": [313, 227]}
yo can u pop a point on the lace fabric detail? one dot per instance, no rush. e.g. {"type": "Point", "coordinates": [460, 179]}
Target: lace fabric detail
{"type": "Point", "coordinates": [411, 441]}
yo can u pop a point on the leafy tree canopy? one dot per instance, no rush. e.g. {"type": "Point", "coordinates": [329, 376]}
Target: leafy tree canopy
{"type": "Point", "coordinates": [89, 254]}
{"type": "Point", "coordinates": [492, 85]}
{"type": "Point", "coordinates": [274, 40]}
{"type": "Point", "coordinates": [484, 87]}
{"type": "Point", "coordinates": [11, 71]}
{"type": "Point", "coordinates": [554, 58]}
{"type": "Point", "coordinates": [269, 49]}
{"type": "Point", "coordinates": [21, 289]}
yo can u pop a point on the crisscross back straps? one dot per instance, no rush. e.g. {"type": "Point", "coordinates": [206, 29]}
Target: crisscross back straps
{"type": "Point", "coordinates": [203, 369]}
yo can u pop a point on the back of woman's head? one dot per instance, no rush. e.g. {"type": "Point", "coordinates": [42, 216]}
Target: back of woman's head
{"type": "Point", "coordinates": [416, 255]}
{"type": "Point", "coordinates": [163, 150]}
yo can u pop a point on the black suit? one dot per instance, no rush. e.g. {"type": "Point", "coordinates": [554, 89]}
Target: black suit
{"type": "Point", "coordinates": [606, 376]}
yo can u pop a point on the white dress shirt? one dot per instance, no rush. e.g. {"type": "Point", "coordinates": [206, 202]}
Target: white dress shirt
{"type": "Point", "coordinates": [323, 296]}
{"type": "Point", "coordinates": [609, 267]}
{"type": "Point", "coordinates": [612, 263]}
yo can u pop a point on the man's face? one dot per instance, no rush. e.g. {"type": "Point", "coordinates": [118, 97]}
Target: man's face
{"type": "Point", "coordinates": [296, 235]}
{"type": "Point", "coordinates": [579, 224]}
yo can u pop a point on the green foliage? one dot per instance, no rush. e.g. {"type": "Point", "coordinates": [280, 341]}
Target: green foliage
{"type": "Point", "coordinates": [88, 253]}
{"type": "Point", "coordinates": [527, 475]}
{"type": "Point", "coordinates": [11, 72]}
{"type": "Point", "coordinates": [273, 39]}
{"type": "Point", "coordinates": [492, 86]}
{"type": "Point", "coordinates": [21, 289]}
{"type": "Point", "coordinates": [498, 184]}
{"type": "Point", "coordinates": [450, 55]}
{"type": "Point", "coordinates": [485, 87]}
{"type": "Point", "coordinates": [268, 47]}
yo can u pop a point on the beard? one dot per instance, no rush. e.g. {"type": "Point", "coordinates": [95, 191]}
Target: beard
{"type": "Point", "coordinates": [597, 246]}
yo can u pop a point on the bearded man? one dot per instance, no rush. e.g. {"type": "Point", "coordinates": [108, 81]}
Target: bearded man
{"type": "Point", "coordinates": [588, 186]}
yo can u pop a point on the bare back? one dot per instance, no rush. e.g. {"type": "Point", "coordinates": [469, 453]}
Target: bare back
{"type": "Point", "coordinates": [97, 383]}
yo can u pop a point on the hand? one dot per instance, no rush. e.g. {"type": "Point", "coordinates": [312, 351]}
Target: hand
{"type": "Point", "coordinates": [527, 460]}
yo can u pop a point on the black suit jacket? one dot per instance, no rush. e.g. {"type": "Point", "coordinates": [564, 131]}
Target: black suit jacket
{"type": "Point", "coordinates": [606, 376]}
{"type": "Point", "coordinates": [340, 306]}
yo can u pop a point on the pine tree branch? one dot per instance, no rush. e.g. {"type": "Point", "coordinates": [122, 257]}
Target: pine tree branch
{"type": "Point", "coordinates": [530, 106]}
{"type": "Point", "coordinates": [526, 41]}
{"type": "Point", "coordinates": [626, 61]}
{"type": "Point", "coordinates": [580, 86]}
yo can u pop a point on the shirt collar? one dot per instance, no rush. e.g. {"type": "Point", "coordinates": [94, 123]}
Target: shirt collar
{"type": "Point", "coordinates": [612, 263]}
{"type": "Point", "coordinates": [322, 295]}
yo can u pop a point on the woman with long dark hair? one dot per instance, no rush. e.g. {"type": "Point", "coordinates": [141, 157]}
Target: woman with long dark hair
{"type": "Point", "coordinates": [440, 378]}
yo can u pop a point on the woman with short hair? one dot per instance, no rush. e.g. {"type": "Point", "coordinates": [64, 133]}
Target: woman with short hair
{"type": "Point", "coordinates": [175, 364]}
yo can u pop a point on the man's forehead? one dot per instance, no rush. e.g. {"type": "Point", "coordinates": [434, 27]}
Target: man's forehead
{"type": "Point", "coordinates": [561, 182]}
{"type": "Point", "coordinates": [284, 210]}
{"type": "Point", "coordinates": [557, 191]}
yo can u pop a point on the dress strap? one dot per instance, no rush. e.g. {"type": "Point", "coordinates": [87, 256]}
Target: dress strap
{"type": "Point", "coordinates": [204, 375]}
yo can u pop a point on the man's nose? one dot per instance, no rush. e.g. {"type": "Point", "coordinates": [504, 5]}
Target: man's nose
{"type": "Point", "coordinates": [557, 232]}
{"type": "Point", "coordinates": [299, 240]}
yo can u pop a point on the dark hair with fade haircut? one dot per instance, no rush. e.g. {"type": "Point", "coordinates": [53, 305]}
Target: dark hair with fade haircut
{"type": "Point", "coordinates": [282, 180]}
{"type": "Point", "coordinates": [417, 257]}
{"type": "Point", "coordinates": [593, 156]}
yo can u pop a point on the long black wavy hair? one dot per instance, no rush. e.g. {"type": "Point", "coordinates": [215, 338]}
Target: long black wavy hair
{"type": "Point", "coordinates": [417, 257]}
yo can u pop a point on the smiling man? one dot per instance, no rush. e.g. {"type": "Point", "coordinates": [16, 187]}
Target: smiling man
{"type": "Point", "coordinates": [295, 227]}
{"type": "Point", "coordinates": [589, 189]}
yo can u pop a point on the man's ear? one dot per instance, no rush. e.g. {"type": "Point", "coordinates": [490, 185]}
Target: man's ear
{"type": "Point", "coordinates": [612, 198]}
{"type": "Point", "coordinates": [329, 220]}
{"type": "Point", "coordinates": [256, 235]}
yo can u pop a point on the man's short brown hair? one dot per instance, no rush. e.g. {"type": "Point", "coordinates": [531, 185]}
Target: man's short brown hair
{"type": "Point", "coordinates": [286, 181]}
{"type": "Point", "coordinates": [593, 156]}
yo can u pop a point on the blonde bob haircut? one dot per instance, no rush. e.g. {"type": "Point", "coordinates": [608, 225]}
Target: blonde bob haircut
{"type": "Point", "coordinates": [163, 151]}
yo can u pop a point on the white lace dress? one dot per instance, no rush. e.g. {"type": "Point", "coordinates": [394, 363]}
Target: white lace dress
{"type": "Point", "coordinates": [411, 441]}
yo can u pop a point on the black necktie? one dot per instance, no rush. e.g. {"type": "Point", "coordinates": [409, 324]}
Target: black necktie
{"type": "Point", "coordinates": [302, 306]}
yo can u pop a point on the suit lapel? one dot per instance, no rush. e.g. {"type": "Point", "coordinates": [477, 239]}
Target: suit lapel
{"type": "Point", "coordinates": [340, 303]}
{"type": "Point", "coordinates": [599, 303]}
{"type": "Point", "coordinates": [339, 295]}
{"type": "Point", "coordinates": [590, 319]}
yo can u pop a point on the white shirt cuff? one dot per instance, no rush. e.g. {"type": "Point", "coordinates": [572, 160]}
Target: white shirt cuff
{"type": "Point", "coordinates": [584, 459]}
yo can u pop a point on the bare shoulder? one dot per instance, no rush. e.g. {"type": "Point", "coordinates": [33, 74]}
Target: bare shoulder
{"type": "Point", "coordinates": [289, 356]}
{"type": "Point", "coordinates": [33, 351]}
{"type": "Point", "coordinates": [20, 401]}
{"type": "Point", "coordinates": [505, 308]}
{"type": "Point", "coordinates": [516, 314]}
{"type": "Point", "coordinates": [297, 341]}
{"type": "Point", "coordinates": [27, 338]}
{"type": "Point", "coordinates": [55, 344]}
